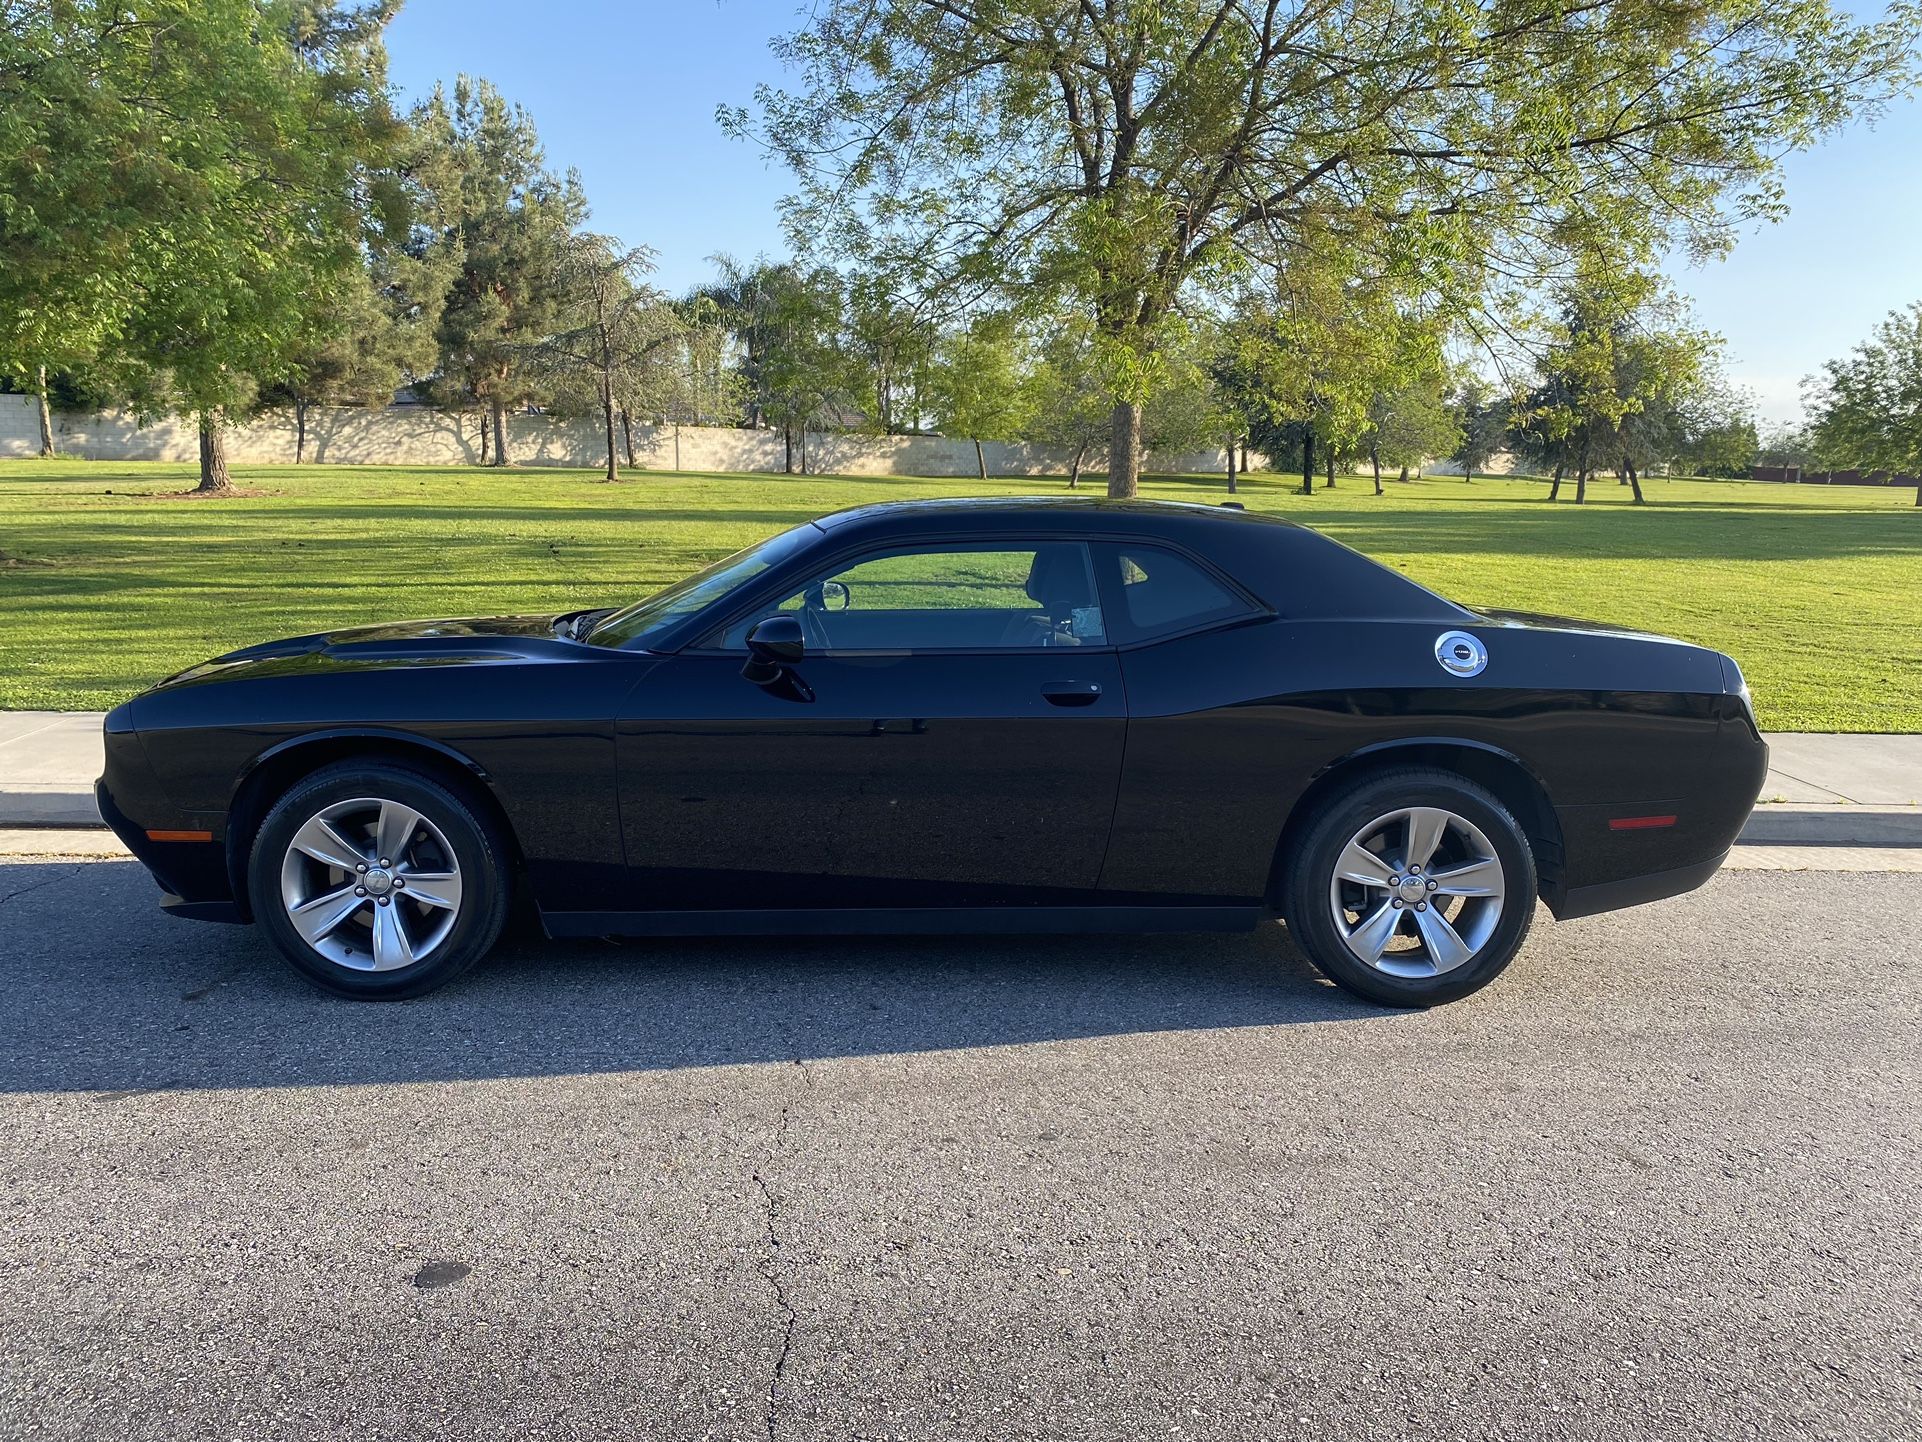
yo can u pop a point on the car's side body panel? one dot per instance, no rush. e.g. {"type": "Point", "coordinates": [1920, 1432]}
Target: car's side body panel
{"type": "Point", "coordinates": [530, 719]}
{"type": "Point", "coordinates": [1229, 730]}
{"type": "Point", "coordinates": [893, 781]}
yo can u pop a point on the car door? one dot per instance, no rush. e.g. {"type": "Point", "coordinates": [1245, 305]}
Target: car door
{"type": "Point", "coordinates": [951, 737]}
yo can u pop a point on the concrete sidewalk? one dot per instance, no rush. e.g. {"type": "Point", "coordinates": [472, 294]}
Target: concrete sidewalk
{"type": "Point", "coordinates": [1821, 791]}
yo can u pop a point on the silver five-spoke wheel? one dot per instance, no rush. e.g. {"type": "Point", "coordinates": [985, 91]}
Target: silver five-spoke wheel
{"type": "Point", "coordinates": [1417, 892]}
{"type": "Point", "coordinates": [371, 884]}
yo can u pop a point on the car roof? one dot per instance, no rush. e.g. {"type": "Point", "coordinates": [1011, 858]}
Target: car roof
{"type": "Point", "coordinates": [1079, 513]}
{"type": "Point", "coordinates": [1293, 569]}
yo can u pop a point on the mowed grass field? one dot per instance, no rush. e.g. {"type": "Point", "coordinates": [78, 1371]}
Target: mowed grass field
{"type": "Point", "coordinates": [109, 580]}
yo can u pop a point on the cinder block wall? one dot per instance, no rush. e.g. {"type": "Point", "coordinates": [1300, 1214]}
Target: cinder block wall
{"type": "Point", "coordinates": [419, 436]}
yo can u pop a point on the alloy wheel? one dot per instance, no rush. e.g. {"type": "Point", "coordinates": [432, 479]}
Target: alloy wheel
{"type": "Point", "coordinates": [371, 884]}
{"type": "Point", "coordinates": [1417, 892]}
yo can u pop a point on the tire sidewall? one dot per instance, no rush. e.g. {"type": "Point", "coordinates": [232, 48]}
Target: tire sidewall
{"type": "Point", "coordinates": [1312, 872]}
{"type": "Point", "coordinates": [476, 846]}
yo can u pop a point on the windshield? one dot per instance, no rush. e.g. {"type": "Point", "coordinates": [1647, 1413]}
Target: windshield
{"type": "Point", "coordinates": [642, 622]}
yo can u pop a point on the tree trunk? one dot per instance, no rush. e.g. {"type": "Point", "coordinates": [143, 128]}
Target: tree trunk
{"type": "Point", "coordinates": [46, 412]}
{"type": "Point", "coordinates": [1308, 463]}
{"type": "Point", "coordinates": [1074, 470]}
{"type": "Point", "coordinates": [1231, 465]}
{"type": "Point", "coordinates": [1374, 459]}
{"type": "Point", "coordinates": [1402, 479]}
{"type": "Point", "coordinates": [1555, 486]}
{"type": "Point", "coordinates": [1581, 474]}
{"type": "Point", "coordinates": [485, 449]}
{"type": "Point", "coordinates": [1244, 458]}
{"type": "Point", "coordinates": [1124, 452]}
{"type": "Point", "coordinates": [980, 460]}
{"type": "Point", "coordinates": [300, 431]}
{"type": "Point", "coordinates": [607, 422]}
{"type": "Point", "coordinates": [1330, 453]}
{"type": "Point", "coordinates": [213, 457]}
{"type": "Point", "coordinates": [804, 448]}
{"type": "Point", "coordinates": [627, 434]}
{"type": "Point", "coordinates": [1635, 481]}
{"type": "Point", "coordinates": [500, 432]}
{"type": "Point", "coordinates": [787, 441]}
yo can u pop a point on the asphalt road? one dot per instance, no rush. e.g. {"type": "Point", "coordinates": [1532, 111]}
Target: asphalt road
{"type": "Point", "coordinates": [1663, 1181]}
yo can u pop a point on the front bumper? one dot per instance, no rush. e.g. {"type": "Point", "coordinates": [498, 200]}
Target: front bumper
{"type": "Point", "coordinates": [193, 874]}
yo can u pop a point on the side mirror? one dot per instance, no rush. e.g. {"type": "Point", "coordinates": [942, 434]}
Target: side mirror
{"type": "Point", "coordinates": [778, 640]}
{"type": "Point", "coordinates": [772, 646]}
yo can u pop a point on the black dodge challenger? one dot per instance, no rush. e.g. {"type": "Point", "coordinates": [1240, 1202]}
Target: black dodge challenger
{"type": "Point", "coordinates": [940, 716]}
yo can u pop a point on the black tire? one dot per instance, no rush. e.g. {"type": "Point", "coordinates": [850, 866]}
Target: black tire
{"type": "Point", "coordinates": [470, 834]}
{"type": "Point", "coordinates": [1310, 875]}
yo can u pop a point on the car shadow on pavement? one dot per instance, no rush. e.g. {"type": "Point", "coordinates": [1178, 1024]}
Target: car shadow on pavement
{"type": "Point", "coordinates": [105, 994]}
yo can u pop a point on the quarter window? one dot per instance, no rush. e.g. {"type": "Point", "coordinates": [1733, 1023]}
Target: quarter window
{"type": "Point", "coordinates": [966, 597]}
{"type": "Point", "coordinates": [1162, 592]}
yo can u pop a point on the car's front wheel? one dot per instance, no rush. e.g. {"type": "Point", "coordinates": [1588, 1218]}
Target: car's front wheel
{"type": "Point", "coordinates": [377, 881]}
{"type": "Point", "coordinates": [1411, 888]}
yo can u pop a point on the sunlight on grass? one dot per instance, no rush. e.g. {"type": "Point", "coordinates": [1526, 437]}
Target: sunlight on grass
{"type": "Point", "coordinates": [109, 582]}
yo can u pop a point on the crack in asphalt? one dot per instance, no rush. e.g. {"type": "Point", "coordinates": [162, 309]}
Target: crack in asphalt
{"type": "Point", "coordinates": [769, 1264]}
{"type": "Point", "coordinates": [73, 870]}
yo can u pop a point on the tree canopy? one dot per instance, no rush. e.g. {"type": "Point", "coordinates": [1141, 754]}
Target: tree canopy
{"type": "Point", "coordinates": [1866, 407]}
{"type": "Point", "coordinates": [188, 182]}
{"type": "Point", "coordinates": [1138, 157]}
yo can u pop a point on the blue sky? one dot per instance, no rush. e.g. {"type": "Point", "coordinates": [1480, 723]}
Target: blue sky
{"type": "Point", "coordinates": [625, 91]}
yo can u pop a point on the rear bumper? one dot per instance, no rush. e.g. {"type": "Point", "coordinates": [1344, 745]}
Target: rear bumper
{"type": "Point", "coordinates": [1634, 890]}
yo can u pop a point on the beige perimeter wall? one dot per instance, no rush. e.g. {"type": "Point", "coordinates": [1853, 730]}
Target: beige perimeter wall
{"type": "Point", "coordinates": [418, 436]}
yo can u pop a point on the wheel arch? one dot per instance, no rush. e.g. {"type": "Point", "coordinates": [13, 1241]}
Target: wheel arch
{"type": "Point", "coordinates": [271, 774]}
{"type": "Point", "coordinates": [1513, 782]}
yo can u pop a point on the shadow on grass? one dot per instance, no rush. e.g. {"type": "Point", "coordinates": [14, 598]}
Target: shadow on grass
{"type": "Point", "coordinates": [115, 998]}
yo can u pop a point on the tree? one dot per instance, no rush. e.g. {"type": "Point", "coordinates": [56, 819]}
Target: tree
{"type": "Point", "coordinates": [977, 386]}
{"type": "Point", "coordinates": [1786, 445]}
{"type": "Point", "coordinates": [1481, 419]}
{"type": "Point", "coordinates": [803, 371]}
{"type": "Point", "coordinates": [614, 327]}
{"type": "Point", "coordinates": [1135, 157]}
{"type": "Point", "coordinates": [743, 300]}
{"type": "Point", "coordinates": [187, 185]}
{"type": "Point", "coordinates": [379, 337]}
{"type": "Point", "coordinates": [895, 344]}
{"type": "Point", "coordinates": [1865, 409]}
{"type": "Point", "coordinates": [507, 219]}
{"type": "Point", "coordinates": [1070, 398]}
{"type": "Point", "coordinates": [1409, 422]}
{"type": "Point", "coordinates": [1623, 378]}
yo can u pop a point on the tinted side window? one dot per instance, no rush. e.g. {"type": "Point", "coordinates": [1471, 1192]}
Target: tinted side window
{"type": "Point", "coordinates": [976, 596]}
{"type": "Point", "coordinates": [1163, 592]}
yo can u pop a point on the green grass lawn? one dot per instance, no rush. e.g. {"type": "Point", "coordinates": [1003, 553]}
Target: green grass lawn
{"type": "Point", "coordinates": [108, 582]}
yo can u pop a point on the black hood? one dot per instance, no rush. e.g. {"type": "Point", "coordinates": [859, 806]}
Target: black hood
{"type": "Point", "coordinates": [445, 642]}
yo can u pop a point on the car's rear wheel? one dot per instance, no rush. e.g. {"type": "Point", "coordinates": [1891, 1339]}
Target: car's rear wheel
{"type": "Point", "coordinates": [1411, 888]}
{"type": "Point", "coordinates": [377, 881]}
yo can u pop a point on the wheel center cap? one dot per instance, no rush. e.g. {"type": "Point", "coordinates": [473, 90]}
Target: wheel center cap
{"type": "Point", "coordinates": [1412, 889]}
{"type": "Point", "coordinates": [378, 882]}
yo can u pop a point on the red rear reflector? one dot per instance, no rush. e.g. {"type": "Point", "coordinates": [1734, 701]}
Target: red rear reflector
{"type": "Point", "coordinates": [1640, 823]}
{"type": "Point", "coordinates": [180, 836]}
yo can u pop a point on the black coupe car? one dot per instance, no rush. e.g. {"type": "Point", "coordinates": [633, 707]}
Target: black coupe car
{"type": "Point", "coordinates": [993, 715]}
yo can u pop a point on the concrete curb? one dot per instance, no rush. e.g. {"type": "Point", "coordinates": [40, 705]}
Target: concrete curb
{"type": "Point", "coordinates": [49, 808]}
